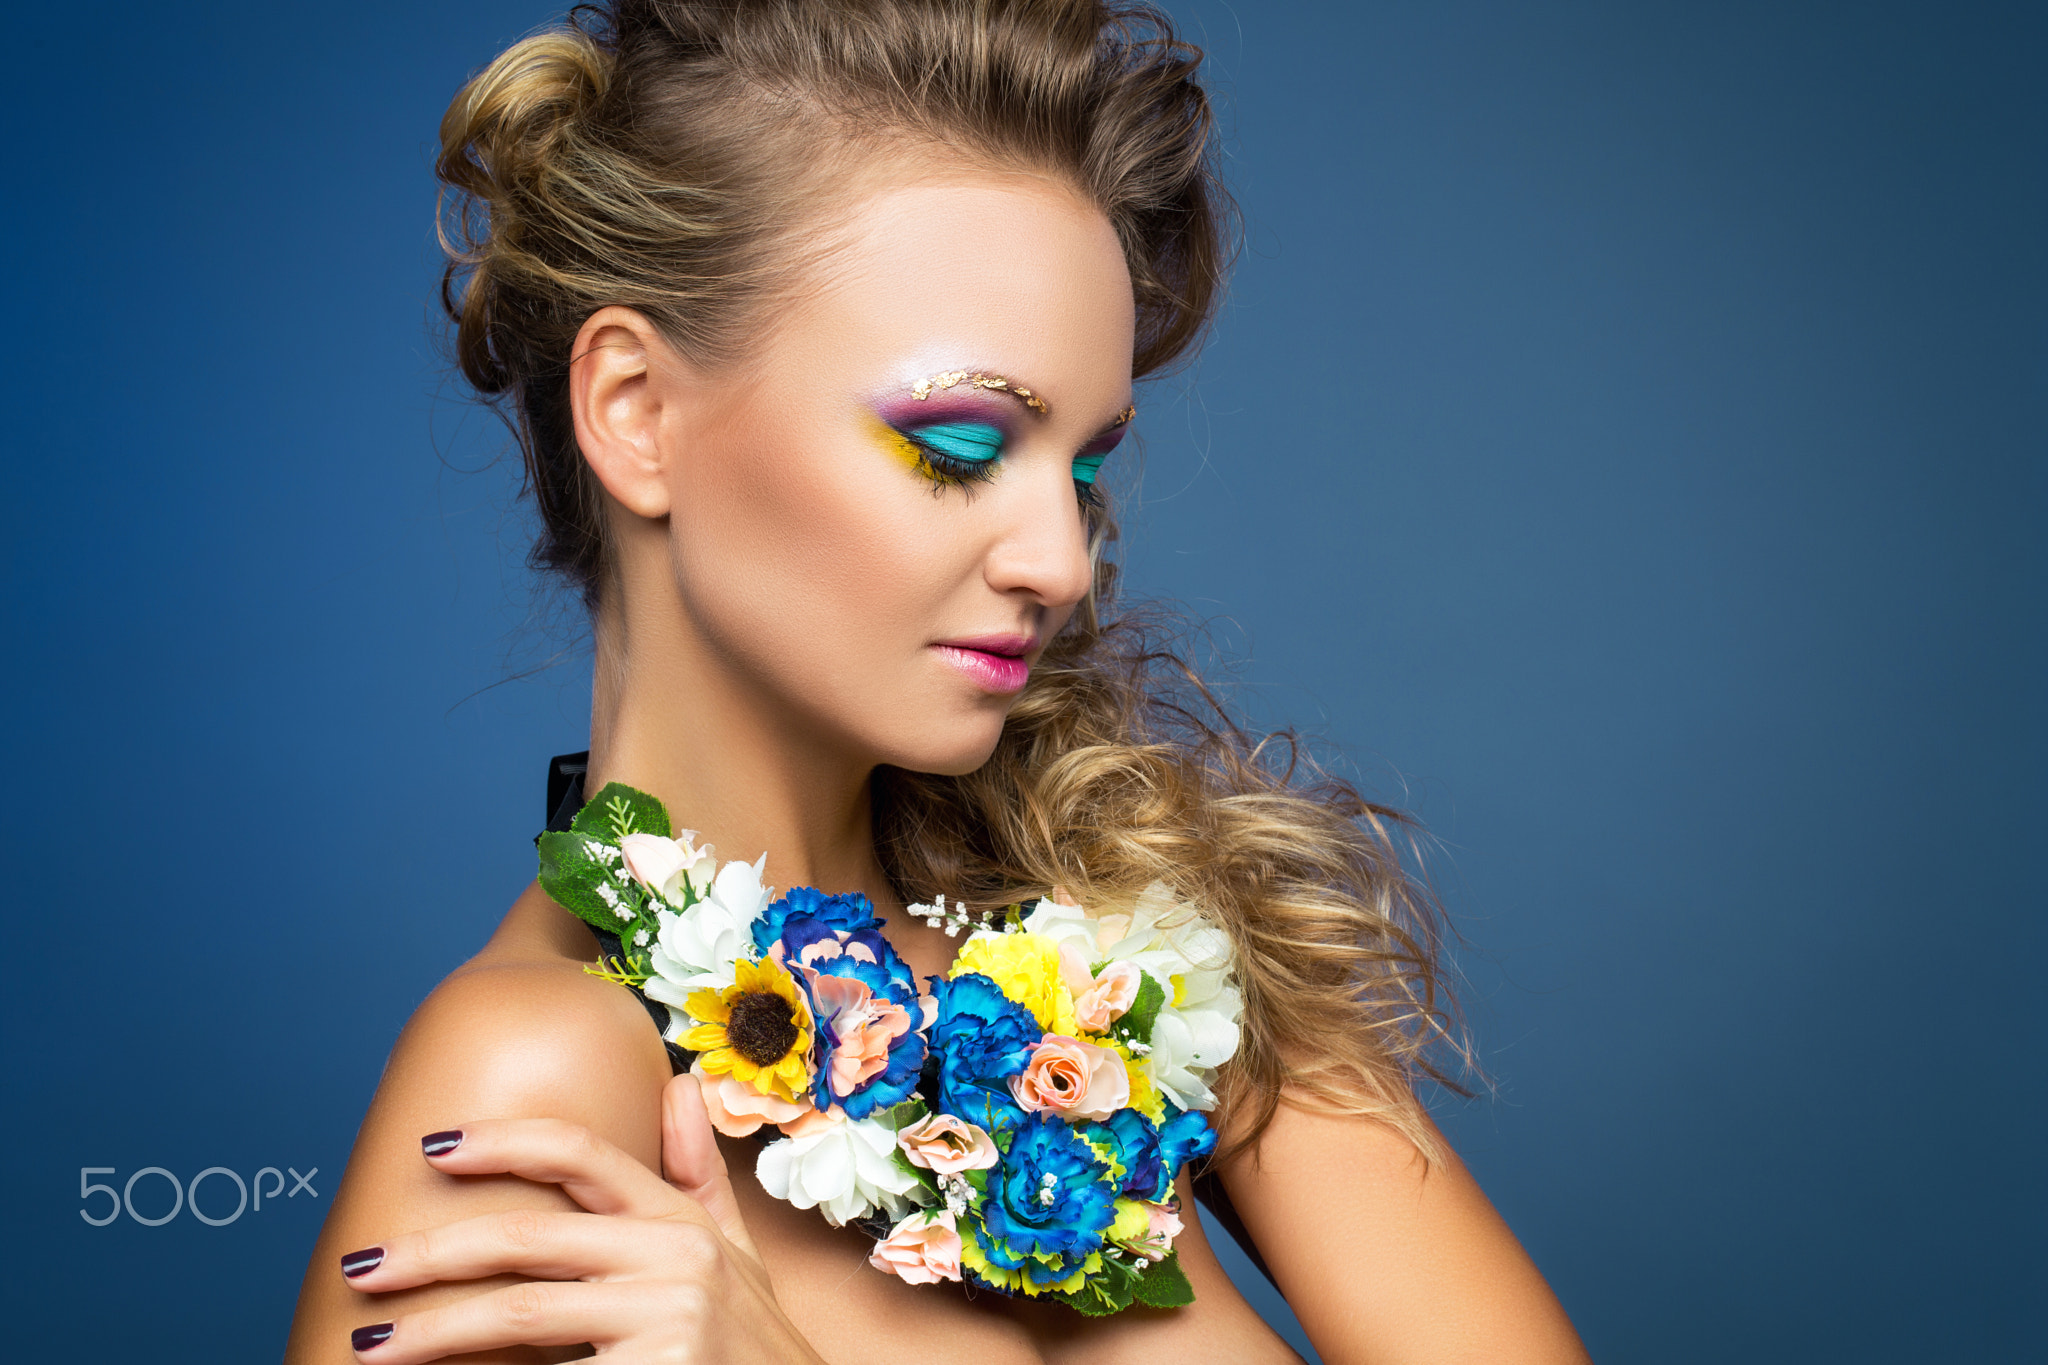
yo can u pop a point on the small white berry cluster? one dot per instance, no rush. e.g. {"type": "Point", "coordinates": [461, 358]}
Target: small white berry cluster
{"type": "Point", "coordinates": [938, 916]}
{"type": "Point", "coordinates": [608, 856]}
{"type": "Point", "coordinates": [959, 1194]}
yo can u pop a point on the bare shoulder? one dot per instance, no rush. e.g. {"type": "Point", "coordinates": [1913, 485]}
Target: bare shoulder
{"type": "Point", "coordinates": [522, 1030]}
{"type": "Point", "coordinates": [1387, 1256]}
{"type": "Point", "coordinates": [519, 1031]}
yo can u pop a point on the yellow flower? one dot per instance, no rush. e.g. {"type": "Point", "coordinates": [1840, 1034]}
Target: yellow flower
{"type": "Point", "coordinates": [1026, 968]}
{"type": "Point", "coordinates": [1133, 1221]}
{"type": "Point", "coordinates": [1144, 1095]}
{"type": "Point", "coordinates": [758, 1030]}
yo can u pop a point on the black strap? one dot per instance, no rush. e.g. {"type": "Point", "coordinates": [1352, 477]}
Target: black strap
{"type": "Point", "coordinates": [565, 798]}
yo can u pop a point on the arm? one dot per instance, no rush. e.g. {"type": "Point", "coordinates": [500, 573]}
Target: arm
{"type": "Point", "coordinates": [522, 1039]}
{"type": "Point", "coordinates": [1386, 1261]}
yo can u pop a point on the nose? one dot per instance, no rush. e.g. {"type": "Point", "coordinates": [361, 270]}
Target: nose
{"type": "Point", "coordinates": [1041, 548]}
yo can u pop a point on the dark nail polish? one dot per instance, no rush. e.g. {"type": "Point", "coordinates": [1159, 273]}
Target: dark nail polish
{"type": "Point", "coordinates": [362, 1262]}
{"type": "Point", "coordinates": [441, 1144]}
{"type": "Point", "coordinates": [365, 1338]}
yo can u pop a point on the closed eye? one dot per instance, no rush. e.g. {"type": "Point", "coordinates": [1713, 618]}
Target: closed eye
{"type": "Point", "coordinates": [957, 452]}
{"type": "Point", "coordinates": [1088, 464]}
{"type": "Point", "coordinates": [968, 442]}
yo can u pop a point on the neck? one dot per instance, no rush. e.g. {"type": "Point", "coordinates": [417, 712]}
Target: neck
{"type": "Point", "coordinates": [671, 718]}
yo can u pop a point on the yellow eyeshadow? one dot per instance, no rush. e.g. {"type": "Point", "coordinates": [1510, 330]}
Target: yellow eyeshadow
{"type": "Point", "coordinates": [900, 447]}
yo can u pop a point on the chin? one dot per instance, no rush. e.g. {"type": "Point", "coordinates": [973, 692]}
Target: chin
{"type": "Point", "coordinates": [949, 750]}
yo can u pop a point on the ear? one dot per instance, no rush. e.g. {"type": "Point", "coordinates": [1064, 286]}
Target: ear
{"type": "Point", "coordinates": [617, 390]}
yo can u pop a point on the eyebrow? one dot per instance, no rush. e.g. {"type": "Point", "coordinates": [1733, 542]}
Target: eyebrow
{"type": "Point", "coordinates": [995, 383]}
{"type": "Point", "coordinates": [975, 379]}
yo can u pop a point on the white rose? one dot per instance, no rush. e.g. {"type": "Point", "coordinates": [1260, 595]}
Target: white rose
{"type": "Point", "coordinates": [1187, 1048]}
{"type": "Point", "coordinates": [697, 947]}
{"type": "Point", "coordinates": [845, 1171]}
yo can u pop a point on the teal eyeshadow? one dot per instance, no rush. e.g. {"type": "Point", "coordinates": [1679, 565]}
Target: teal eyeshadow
{"type": "Point", "coordinates": [1088, 466]}
{"type": "Point", "coordinates": [971, 442]}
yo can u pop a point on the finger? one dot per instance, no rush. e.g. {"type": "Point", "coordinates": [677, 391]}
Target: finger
{"type": "Point", "coordinates": [591, 1171]}
{"type": "Point", "coordinates": [536, 1314]}
{"type": "Point", "coordinates": [545, 1244]}
{"type": "Point", "coordinates": [693, 1163]}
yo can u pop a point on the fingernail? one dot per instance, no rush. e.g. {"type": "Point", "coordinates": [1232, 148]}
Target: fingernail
{"type": "Point", "coordinates": [441, 1144]}
{"type": "Point", "coordinates": [368, 1338]}
{"type": "Point", "coordinates": [362, 1262]}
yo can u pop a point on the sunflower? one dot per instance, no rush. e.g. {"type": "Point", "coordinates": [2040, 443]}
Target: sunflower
{"type": "Point", "coordinates": [758, 1029]}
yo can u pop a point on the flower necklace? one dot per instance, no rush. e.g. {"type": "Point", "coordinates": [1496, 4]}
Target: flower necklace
{"type": "Point", "coordinates": [1015, 1124]}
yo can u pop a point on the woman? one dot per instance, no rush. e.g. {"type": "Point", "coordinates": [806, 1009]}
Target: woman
{"type": "Point", "coordinates": [817, 321]}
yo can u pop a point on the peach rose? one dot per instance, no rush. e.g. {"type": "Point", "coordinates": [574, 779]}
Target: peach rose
{"type": "Point", "coordinates": [922, 1249]}
{"type": "Point", "coordinates": [942, 1143]}
{"type": "Point", "coordinates": [664, 865]}
{"type": "Point", "coordinates": [1111, 929]}
{"type": "Point", "coordinates": [1074, 1079]}
{"type": "Point", "coordinates": [1162, 1226]}
{"type": "Point", "coordinates": [739, 1110]}
{"type": "Point", "coordinates": [1107, 997]}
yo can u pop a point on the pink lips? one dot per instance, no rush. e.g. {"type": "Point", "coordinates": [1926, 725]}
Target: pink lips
{"type": "Point", "coordinates": [995, 662]}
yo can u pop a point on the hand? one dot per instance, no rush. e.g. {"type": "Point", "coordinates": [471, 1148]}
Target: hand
{"type": "Point", "coordinates": [656, 1271]}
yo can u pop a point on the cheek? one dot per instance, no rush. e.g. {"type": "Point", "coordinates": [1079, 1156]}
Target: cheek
{"type": "Point", "coordinates": [830, 558]}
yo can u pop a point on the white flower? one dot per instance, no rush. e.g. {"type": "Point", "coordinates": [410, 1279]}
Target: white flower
{"type": "Point", "coordinates": [698, 946]}
{"type": "Point", "coordinates": [845, 1171]}
{"type": "Point", "coordinates": [666, 866]}
{"type": "Point", "coordinates": [1171, 941]}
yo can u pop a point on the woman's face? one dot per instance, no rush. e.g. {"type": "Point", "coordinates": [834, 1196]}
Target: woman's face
{"type": "Point", "coordinates": [876, 521]}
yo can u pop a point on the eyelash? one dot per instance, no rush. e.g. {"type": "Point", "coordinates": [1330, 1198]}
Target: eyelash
{"type": "Point", "coordinates": [948, 471]}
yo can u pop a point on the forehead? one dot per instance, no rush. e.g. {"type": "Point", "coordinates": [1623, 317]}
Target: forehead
{"type": "Point", "coordinates": [1014, 272]}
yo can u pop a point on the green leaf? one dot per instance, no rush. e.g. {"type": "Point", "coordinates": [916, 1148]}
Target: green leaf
{"type": "Point", "coordinates": [1095, 1300]}
{"type": "Point", "coordinates": [619, 810]}
{"type": "Point", "coordinates": [1163, 1285]}
{"type": "Point", "coordinates": [571, 876]}
{"type": "Point", "coordinates": [900, 1116]}
{"type": "Point", "coordinates": [1108, 1290]}
{"type": "Point", "coordinates": [928, 1179]}
{"type": "Point", "coordinates": [1135, 1025]}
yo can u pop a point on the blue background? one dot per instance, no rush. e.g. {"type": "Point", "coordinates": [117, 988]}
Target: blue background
{"type": "Point", "coordinates": [1624, 442]}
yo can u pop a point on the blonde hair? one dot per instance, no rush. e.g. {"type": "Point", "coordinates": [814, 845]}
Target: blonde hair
{"type": "Point", "coordinates": [670, 156]}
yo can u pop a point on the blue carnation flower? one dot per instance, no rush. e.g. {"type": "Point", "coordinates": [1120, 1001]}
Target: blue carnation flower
{"type": "Point", "coordinates": [1185, 1135]}
{"type": "Point", "coordinates": [981, 1038]}
{"type": "Point", "coordinates": [865, 956]}
{"type": "Point", "coordinates": [1049, 1199]}
{"type": "Point", "coordinates": [1135, 1141]}
{"type": "Point", "coordinates": [850, 911]}
{"type": "Point", "coordinates": [861, 953]}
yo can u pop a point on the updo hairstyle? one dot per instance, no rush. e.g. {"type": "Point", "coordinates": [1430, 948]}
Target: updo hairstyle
{"type": "Point", "coordinates": [679, 157]}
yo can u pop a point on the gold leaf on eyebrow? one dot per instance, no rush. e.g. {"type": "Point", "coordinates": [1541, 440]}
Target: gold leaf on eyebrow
{"type": "Point", "coordinates": [977, 380]}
